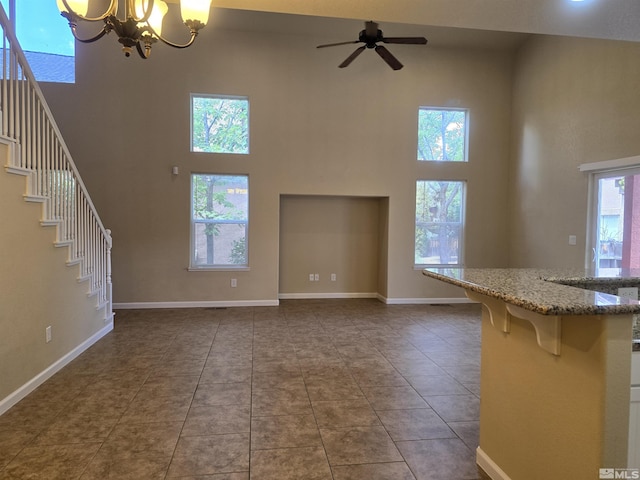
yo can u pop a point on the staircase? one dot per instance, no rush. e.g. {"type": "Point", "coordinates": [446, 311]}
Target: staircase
{"type": "Point", "coordinates": [36, 150]}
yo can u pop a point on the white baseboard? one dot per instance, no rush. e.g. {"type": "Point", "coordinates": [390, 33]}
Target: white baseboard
{"type": "Point", "coordinates": [308, 296]}
{"type": "Point", "coordinates": [13, 398]}
{"type": "Point", "coordinates": [489, 466]}
{"type": "Point", "coordinates": [423, 301]}
{"type": "Point", "coordinates": [203, 304]}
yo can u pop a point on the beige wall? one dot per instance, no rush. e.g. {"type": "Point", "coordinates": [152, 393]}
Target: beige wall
{"type": "Point", "coordinates": [575, 101]}
{"type": "Point", "coordinates": [315, 130]}
{"type": "Point", "coordinates": [37, 290]}
{"type": "Point", "coordinates": [325, 235]}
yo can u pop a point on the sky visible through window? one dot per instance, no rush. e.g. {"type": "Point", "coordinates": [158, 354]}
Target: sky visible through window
{"type": "Point", "coordinates": [46, 39]}
{"type": "Point", "coordinates": [41, 28]}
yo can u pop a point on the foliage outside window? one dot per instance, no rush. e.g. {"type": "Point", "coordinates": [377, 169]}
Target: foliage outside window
{"type": "Point", "coordinates": [219, 124]}
{"type": "Point", "coordinates": [219, 220]}
{"type": "Point", "coordinates": [439, 222]}
{"type": "Point", "coordinates": [442, 135]}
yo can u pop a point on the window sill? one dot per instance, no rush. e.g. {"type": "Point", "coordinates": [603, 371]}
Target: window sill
{"type": "Point", "coordinates": [225, 268]}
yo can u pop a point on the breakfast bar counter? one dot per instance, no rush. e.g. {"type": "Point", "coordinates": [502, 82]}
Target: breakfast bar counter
{"type": "Point", "coordinates": [555, 370]}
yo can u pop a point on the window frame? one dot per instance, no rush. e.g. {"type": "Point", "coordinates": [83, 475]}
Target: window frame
{"type": "Point", "coordinates": [462, 226]}
{"type": "Point", "coordinates": [193, 266]}
{"type": "Point", "coordinates": [216, 96]}
{"type": "Point", "coordinates": [465, 159]}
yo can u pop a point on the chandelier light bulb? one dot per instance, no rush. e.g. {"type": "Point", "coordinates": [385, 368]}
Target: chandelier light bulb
{"type": "Point", "coordinates": [195, 10]}
{"type": "Point", "coordinates": [79, 7]}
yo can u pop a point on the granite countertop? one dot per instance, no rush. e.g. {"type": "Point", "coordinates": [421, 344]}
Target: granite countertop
{"type": "Point", "coordinates": [548, 292]}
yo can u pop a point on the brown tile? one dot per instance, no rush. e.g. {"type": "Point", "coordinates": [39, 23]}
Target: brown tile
{"type": "Point", "coordinates": [456, 408]}
{"type": "Point", "coordinates": [439, 459]}
{"type": "Point", "coordinates": [281, 401]}
{"type": "Point", "coordinates": [147, 408]}
{"type": "Point", "coordinates": [389, 398]}
{"type": "Point", "coordinates": [225, 374]}
{"type": "Point", "coordinates": [308, 463]}
{"type": "Point", "coordinates": [222, 394]}
{"type": "Point", "coordinates": [12, 441]}
{"type": "Point", "coordinates": [373, 471]}
{"type": "Point", "coordinates": [345, 413]}
{"type": "Point", "coordinates": [210, 455]}
{"type": "Point", "coordinates": [333, 389]}
{"type": "Point", "coordinates": [168, 386]}
{"type": "Point", "coordinates": [52, 462]}
{"type": "Point", "coordinates": [217, 420]}
{"type": "Point", "coordinates": [414, 424]}
{"type": "Point", "coordinates": [70, 427]}
{"type": "Point", "coordinates": [179, 366]}
{"type": "Point", "coordinates": [268, 380]}
{"type": "Point", "coordinates": [357, 445]}
{"type": "Point", "coordinates": [284, 431]}
{"type": "Point", "coordinates": [220, 476]}
{"type": "Point", "coordinates": [469, 432]}
{"type": "Point", "coordinates": [427, 385]}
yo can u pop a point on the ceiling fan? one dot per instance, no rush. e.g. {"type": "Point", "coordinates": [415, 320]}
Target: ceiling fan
{"type": "Point", "coordinates": [370, 36]}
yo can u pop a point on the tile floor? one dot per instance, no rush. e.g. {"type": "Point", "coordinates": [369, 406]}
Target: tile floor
{"type": "Point", "coordinates": [322, 389]}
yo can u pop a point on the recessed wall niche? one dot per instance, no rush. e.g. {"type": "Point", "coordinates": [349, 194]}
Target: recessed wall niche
{"type": "Point", "coordinates": [345, 236]}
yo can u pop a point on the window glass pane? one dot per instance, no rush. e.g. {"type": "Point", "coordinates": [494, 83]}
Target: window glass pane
{"type": "Point", "coordinates": [219, 124]}
{"type": "Point", "coordinates": [442, 135]}
{"type": "Point", "coordinates": [219, 218]}
{"type": "Point", "coordinates": [618, 222]}
{"type": "Point", "coordinates": [439, 222]}
{"type": "Point", "coordinates": [45, 38]}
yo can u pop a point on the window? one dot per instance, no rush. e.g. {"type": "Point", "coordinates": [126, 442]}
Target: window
{"type": "Point", "coordinates": [219, 220]}
{"type": "Point", "coordinates": [439, 222]}
{"type": "Point", "coordinates": [614, 236]}
{"type": "Point", "coordinates": [45, 37]}
{"type": "Point", "coordinates": [219, 124]}
{"type": "Point", "coordinates": [442, 135]}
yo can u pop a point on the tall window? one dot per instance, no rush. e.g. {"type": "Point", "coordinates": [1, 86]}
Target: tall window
{"type": "Point", "coordinates": [219, 220]}
{"type": "Point", "coordinates": [442, 135]}
{"type": "Point", "coordinates": [439, 222]}
{"type": "Point", "coordinates": [614, 237]}
{"type": "Point", "coordinates": [45, 37]}
{"type": "Point", "coordinates": [219, 124]}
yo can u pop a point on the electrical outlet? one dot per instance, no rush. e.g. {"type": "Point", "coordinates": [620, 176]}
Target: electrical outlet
{"type": "Point", "coordinates": [316, 277]}
{"type": "Point", "coordinates": [47, 333]}
{"type": "Point", "coordinates": [312, 277]}
{"type": "Point", "coordinates": [234, 282]}
{"type": "Point", "coordinates": [333, 277]}
{"type": "Point", "coordinates": [628, 292]}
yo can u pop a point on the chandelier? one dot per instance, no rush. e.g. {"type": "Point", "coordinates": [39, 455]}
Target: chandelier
{"type": "Point", "coordinates": [142, 24]}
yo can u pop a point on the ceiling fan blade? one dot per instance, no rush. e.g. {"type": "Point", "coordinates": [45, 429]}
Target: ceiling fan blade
{"type": "Point", "coordinates": [406, 40]}
{"type": "Point", "coordinates": [388, 57]}
{"type": "Point", "coordinates": [339, 43]}
{"type": "Point", "coordinates": [352, 57]}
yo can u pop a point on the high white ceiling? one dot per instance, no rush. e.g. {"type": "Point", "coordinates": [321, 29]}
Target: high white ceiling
{"type": "Point", "coordinates": [612, 19]}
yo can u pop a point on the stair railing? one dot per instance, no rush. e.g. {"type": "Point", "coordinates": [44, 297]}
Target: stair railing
{"type": "Point", "coordinates": [40, 153]}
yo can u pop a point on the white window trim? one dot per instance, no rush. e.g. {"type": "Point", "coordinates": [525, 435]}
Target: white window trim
{"type": "Point", "coordinates": [597, 171]}
{"type": "Point", "coordinates": [218, 96]}
{"type": "Point", "coordinates": [463, 229]}
{"type": "Point", "coordinates": [217, 268]}
{"type": "Point", "coordinates": [466, 134]}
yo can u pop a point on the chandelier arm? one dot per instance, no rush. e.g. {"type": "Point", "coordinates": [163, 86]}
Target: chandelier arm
{"type": "Point", "coordinates": [178, 45]}
{"type": "Point", "coordinates": [113, 8]}
{"type": "Point", "coordinates": [101, 34]}
{"type": "Point", "coordinates": [142, 52]}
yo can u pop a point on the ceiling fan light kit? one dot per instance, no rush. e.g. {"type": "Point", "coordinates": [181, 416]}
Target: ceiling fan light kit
{"type": "Point", "coordinates": [370, 36]}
